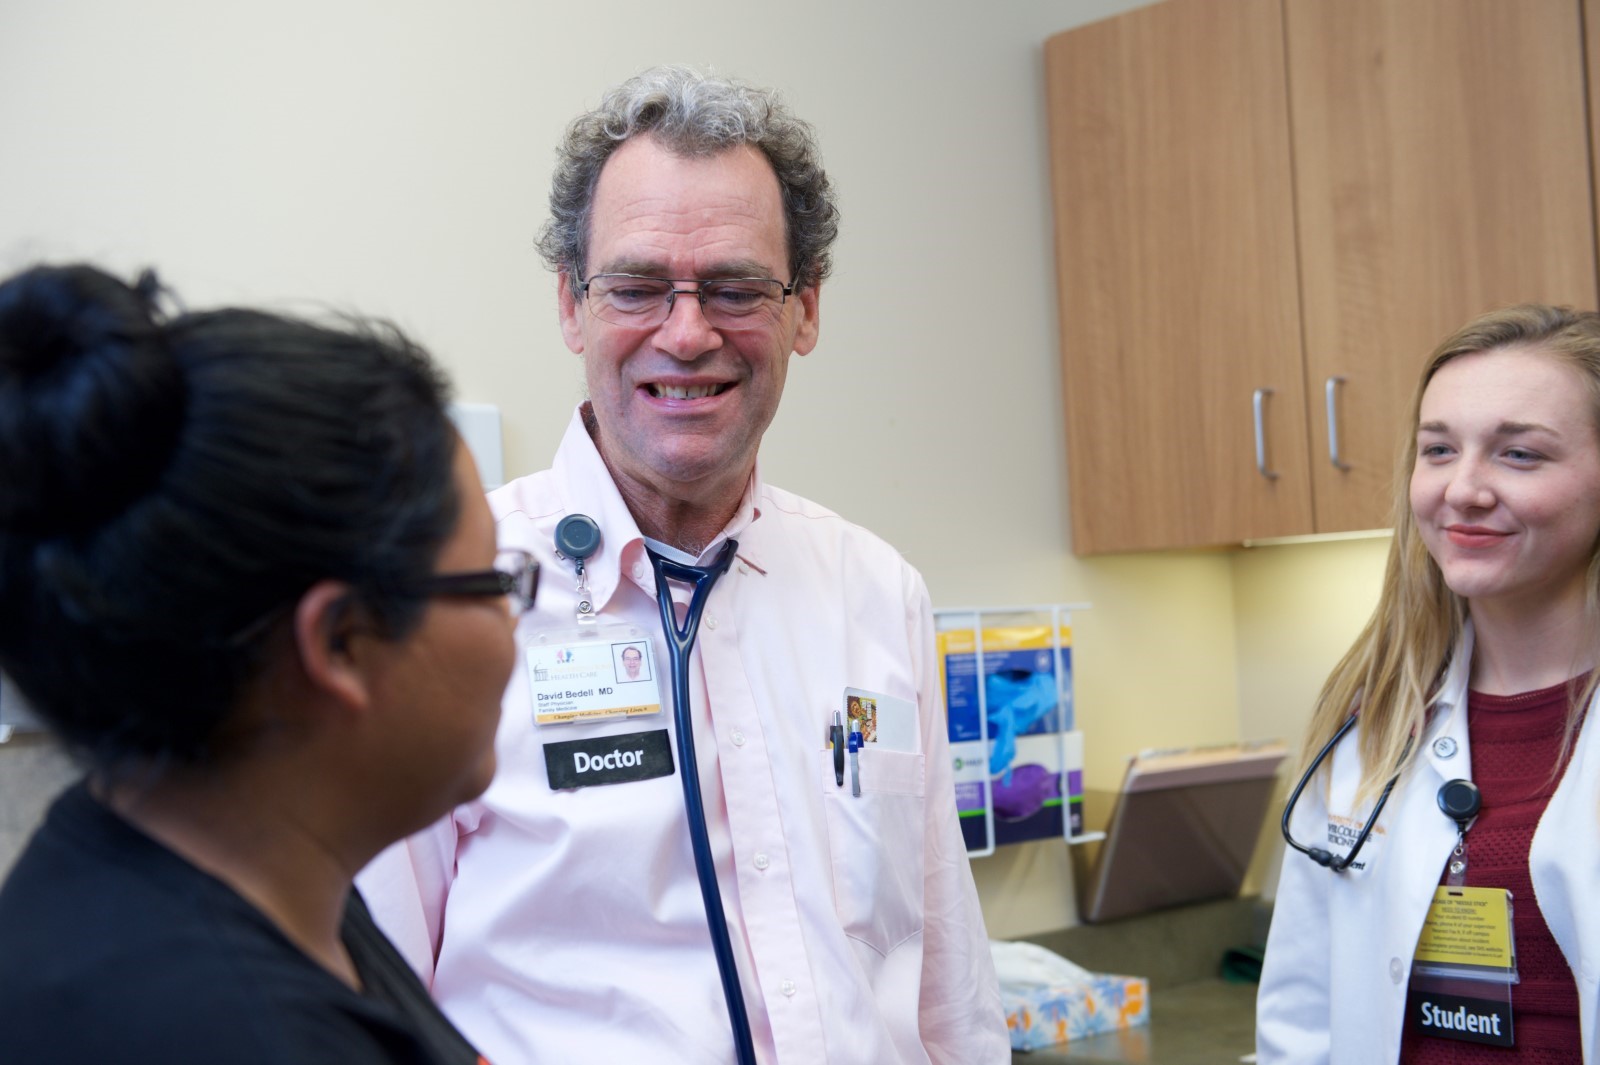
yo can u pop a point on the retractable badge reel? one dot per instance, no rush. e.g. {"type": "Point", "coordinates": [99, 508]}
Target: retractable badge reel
{"type": "Point", "coordinates": [577, 539]}
{"type": "Point", "coordinates": [1460, 800]}
{"type": "Point", "coordinates": [1466, 959]}
{"type": "Point", "coordinates": [592, 670]}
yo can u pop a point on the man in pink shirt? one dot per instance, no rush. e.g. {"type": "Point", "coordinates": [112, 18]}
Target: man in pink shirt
{"type": "Point", "coordinates": [559, 918]}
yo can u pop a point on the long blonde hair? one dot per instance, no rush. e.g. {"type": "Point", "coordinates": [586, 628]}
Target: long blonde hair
{"type": "Point", "coordinates": [1393, 670]}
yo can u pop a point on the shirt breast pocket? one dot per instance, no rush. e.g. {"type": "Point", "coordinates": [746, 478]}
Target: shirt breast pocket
{"type": "Point", "coordinates": [876, 840]}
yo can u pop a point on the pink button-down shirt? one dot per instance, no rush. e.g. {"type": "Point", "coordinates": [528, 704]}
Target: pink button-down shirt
{"type": "Point", "coordinates": [567, 925]}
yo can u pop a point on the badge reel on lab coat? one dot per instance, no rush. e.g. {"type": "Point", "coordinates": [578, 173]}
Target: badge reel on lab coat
{"type": "Point", "coordinates": [589, 671]}
{"type": "Point", "coordinates": [1466, 959]}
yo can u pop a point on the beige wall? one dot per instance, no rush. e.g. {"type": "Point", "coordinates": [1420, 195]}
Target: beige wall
{"type": "Point", "coordinates": [1298, 608]}
{"type": "Point", "coordinates": [393, 157]}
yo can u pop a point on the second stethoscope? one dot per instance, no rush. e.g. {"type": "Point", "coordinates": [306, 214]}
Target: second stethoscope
{"type": "Point", "coordinates": [1459, 800]}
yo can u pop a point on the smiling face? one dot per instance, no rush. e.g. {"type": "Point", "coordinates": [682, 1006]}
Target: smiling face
{"type": "Point", "coordinates": [1506, 485]}
{"type": "Point", "coordinates": [681, 407]}
{"type": "Point", "coordinates": [630, 662]}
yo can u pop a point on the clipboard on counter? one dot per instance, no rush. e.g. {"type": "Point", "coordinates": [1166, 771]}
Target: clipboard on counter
{"type": "Point", "coordinates": [1182, 829]}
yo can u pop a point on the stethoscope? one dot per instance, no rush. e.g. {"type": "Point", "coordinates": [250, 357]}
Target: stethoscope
{"type": "Point", "coordinates": [1458, 800]}
{"type": "Point", "coordinates": [577, 538]}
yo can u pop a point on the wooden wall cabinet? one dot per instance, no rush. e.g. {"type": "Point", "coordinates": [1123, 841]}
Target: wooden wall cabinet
{"type": "Point", "coordinates": [1260, 203]}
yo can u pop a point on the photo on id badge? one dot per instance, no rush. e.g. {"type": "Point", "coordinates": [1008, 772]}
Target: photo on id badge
{"type": "Point", "coordinates": [631, 663]}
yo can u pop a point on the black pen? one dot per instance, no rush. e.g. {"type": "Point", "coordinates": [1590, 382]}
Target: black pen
{"type": "Point", "coordinates": [836, 737]}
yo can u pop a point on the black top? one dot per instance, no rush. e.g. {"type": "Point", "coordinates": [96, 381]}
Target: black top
{"type": "Point", "coordinates": [115, 949]}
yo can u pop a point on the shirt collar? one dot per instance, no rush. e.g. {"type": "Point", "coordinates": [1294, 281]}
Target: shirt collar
{"type": "Point", "coordinates": [1449, 716]}
{"type": "Point", "coordinates": [587, 488]}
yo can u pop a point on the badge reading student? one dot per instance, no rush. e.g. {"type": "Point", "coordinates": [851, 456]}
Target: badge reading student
{"type": "Point", "coordinates": [1464, 969]}
{"type": "Point", "coordinates": [589, 675]}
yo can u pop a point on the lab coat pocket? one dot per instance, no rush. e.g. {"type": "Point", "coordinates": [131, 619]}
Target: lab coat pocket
{"type": "Point", "coordinates": [876, 840]}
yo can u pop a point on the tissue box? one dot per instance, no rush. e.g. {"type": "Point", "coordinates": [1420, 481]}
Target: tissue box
{"type": "Point", "coordinates": [1043, 1016]}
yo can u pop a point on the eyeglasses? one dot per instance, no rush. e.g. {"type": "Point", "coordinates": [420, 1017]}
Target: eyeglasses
{"type": "Point", "coordinates": [515, 575]}
{"type": "Point", "coordinates": [645, 302]}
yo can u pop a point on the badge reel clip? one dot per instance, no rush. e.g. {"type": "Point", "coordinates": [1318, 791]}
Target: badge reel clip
{"type": "Point", "coordinates": [577, 539]}
{"type": "Point", "coordinates": [591, 670]}
{"type": "Point", "coordinates": [1459, 800]}
{"type": "Point", "coordinates": [1466, 959]}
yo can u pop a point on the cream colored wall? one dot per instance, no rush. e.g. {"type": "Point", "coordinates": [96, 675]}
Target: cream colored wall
{"type": "Point", "coordinates": [393, 157]}
{"type": "Point", "coordinates": [1297, 610]}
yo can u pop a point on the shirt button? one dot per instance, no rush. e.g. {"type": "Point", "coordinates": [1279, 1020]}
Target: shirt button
{"type": "Point", "coordinates": [638, 571]}
{"type": "Point", "coordinates": [737, 736]}
{"type": "Point", "coordinates": [788, 988]}
{"type": "Point", "coordinates": [762, 861]}
{"type": "Point", "coordinates": [744, 571]}
{"type": "Point", "coordinates": [1444, 747]}
{"type": "Point", "coordinates": [711, 622]}
{"type": "Point", "coordinates": [1396, 972]}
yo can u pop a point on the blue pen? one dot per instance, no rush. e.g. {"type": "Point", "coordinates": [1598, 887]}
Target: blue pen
{"type": "Point", "coordinates": [855, 757]}
{"type": "Point", "coordinates": [836, 741]}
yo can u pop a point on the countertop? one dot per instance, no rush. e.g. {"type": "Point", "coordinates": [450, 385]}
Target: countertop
{"type": "Point", "coordinates": [1195, 1016]}
{"type": "Point", "coordinates": [1208, 1022]}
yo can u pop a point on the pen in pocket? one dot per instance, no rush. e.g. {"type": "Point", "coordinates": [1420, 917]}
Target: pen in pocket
{"type": "Point", "coordinates": [836, 741]}
{"type": "Point", "coordinates": [855, 758]}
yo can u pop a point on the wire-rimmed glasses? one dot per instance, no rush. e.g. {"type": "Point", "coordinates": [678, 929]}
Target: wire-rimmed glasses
{"type": "Point", "coordinates": [640, 302]}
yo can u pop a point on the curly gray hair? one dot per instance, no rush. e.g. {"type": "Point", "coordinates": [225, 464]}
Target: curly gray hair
{"type": "Point", "coordinates": [693, 114]}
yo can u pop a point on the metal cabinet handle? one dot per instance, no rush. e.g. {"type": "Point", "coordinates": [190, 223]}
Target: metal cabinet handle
{"type": "Point", "coordinates": [1257, 401]}
{"type": "Point", "coordinates": [1332, 391]}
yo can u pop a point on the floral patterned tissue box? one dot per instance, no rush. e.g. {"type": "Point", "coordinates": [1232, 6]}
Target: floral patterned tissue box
{"type": "Point", "coordinates": [1047, 1015]}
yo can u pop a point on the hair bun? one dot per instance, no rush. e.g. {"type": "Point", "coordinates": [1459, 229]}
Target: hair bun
{"type": "Point", "coordinates": [91, 399]}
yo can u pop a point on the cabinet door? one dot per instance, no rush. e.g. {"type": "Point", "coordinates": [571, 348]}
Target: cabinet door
{"type": "Point", "coordinates": [1442, 170]}
{"type": "Point", "coordinates": [1591, 25]}
{"type": "Point", "coordinates": [1176, 266]}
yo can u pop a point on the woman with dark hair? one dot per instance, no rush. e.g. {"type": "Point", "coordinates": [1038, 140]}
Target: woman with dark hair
{"type": "Point", "coordinates": [247, 574]}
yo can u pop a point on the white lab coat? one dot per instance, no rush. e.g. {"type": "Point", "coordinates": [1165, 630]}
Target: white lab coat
{"type": "Point", "coordinates": [1333, 986]}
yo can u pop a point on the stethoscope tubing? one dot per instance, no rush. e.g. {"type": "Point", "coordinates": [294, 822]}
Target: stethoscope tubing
{"type": "Point", "coordinates": [1322, 857]}
{"type": "Point", "coordinates": [680, 641]}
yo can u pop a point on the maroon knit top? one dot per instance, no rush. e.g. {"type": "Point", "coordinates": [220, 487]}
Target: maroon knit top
{"type": "Point", "coordinates": [1515, 739]}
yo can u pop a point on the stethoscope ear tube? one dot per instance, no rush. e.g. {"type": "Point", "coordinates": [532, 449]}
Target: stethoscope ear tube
{"type": "Point", "coordinates": [680, 641]}
{"type": "Point", "coordinates": [1322, 857]}
{"type": "Point", "coordinates": [1316, 854]}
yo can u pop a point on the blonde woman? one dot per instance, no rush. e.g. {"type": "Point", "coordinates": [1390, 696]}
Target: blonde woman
{"type": "Point", "coordinates": [1466, 699]}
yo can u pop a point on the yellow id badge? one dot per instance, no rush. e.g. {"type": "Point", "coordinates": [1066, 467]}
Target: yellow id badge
{"type": "Point", "coordinates": [1464, 969]}
{"type": "Point", "coordinates": [1468, 926]}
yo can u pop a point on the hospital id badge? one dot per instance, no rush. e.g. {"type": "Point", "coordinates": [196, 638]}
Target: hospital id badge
{"type": "Point", "coordinates": [1465, 966]}
{"type": "Point", "coordinates": [590, 674]}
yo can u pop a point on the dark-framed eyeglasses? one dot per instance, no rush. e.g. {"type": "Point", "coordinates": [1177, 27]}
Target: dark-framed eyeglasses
{"type": "Point", "coordinates": [515, 575]}
{"type": "Point", "coordinates": [640, 302]}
